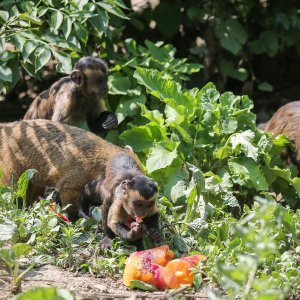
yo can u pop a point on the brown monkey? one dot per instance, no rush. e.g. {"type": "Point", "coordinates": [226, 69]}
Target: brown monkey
{"type": "Point", "coordinates": [69, 158]}
{"type": "Point", "coordinates": [127, 197]}
{"type": "Point", "coordinates": [286, 120]}
{"type": "Point", "coordinates": [77, 99]}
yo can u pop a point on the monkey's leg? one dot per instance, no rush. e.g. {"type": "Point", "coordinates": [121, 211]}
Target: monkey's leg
{"type": "Point", "coordinates": [70, 196]}
{"type": "Point", "coordinates": [152, 224]}
{"type": "Point", "coordinates": [106, 242]}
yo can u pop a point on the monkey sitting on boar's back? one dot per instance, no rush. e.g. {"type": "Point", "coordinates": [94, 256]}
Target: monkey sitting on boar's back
{"type": "Point", "coordinates": [286, 120]}
{"type": "Point", "coordinates": [77, 99]}
{"type": "Point", "coordinates": [77, 163]}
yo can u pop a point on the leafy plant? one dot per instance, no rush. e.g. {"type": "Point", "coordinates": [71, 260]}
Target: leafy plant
{"type": "Point", "coordinates": [11, 256]}
{"type": "Point", "coordinates": [33, 32]}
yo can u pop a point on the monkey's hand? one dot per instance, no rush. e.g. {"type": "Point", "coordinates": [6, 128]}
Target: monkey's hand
{"type": "Point", "coordinates": [155, 235]}
{"type": "Point", "coordinates": [108, 120]}
{"type": "Point", "coordinates": [105, 244]}
{"type": "Point", "coordinates": [136, 232]}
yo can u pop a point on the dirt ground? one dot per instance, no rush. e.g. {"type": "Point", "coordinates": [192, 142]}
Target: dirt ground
{"type": "Point", "coordinates": [86, 287]}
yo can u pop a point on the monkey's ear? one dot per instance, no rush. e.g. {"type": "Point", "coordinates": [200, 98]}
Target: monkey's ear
{"type": "Point", "coordinates": [76, 76]}
{"type": "Point", "coordinates": [124, 185]}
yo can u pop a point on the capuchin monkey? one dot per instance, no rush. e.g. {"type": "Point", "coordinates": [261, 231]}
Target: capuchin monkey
{"type": "Point", "coordinates": [128, 200]}
{"type": "Point", "coordinates": [77, 99]}
{"type": "Point", "coordinates": [86, 170]}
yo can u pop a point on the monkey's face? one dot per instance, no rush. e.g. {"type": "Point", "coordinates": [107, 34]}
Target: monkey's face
{"type": "Point", "coordinates": [90, 74]}
{"type": "Point", "coordinates": [96, 83]}
{"type": "Point", "coordinates": [140, 196]}
{"type": "Point", "coordinates": [139, 207]}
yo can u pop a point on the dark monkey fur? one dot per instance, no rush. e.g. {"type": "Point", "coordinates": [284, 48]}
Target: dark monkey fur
{"type": "Point", "coordinates": [77, 162]}
{"type": "Point", "coordinates": [77, 99]}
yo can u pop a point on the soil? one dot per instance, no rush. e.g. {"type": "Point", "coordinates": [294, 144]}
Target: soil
{"type": "Point", "coordinates": [87, 287]}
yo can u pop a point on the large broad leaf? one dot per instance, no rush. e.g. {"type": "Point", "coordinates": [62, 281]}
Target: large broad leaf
{"type": "Point", "coordinates": [7, 231]}
{"type": "Point", "coordinates": [5, 73]}
{"type": "Point", "coordinates": [46, 293]}
{"type": "Point", "coordinates": [232, 35]}
{"type": "Point", "coordinates": [24, 181]}
{"type": "Point", "coordinates": [28, 48]}
{"type": "Point", "coordinates": [56, 20]}
{"type": "Point", "coordinates": [162, 88]}
{"type": "Point", "coordinates": [129, 107]}
{"type": "Point", "coordinates": [161, 156]}
{"type": "Point", "coordinates": [243, 141]}
{"type": "Point", "coordinates": [65, 65]}
{"type": "Point", "coordinates": [245, 169]}
{"type": "Point", "coordinates": [21, 249]}
{"type": "Point", "coordinates": [42, 56]}
{"type": "Point", "coordinates": [141, 138]}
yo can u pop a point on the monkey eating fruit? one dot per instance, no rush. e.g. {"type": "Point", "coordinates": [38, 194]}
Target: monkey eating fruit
{"type": "Point", "coordinates": [86, 170]}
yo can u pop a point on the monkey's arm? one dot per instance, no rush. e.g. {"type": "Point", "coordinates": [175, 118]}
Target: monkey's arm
{"type": "Point", "coordinates": [126, 234]}
{"type": "Point", "coordinates": [152, 224]}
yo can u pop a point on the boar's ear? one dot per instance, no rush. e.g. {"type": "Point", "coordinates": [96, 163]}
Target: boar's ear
{"type": "Point", "coordinates": [76, 76]}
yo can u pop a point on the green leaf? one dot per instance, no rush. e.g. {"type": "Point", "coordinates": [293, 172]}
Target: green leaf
{"type": "Point", "coordinates": [24, 181]}
{"type": "Point", "coordinates": [4, 15]}
{"type": "Point", "coordinates": [56, 20]}
{"type": "Point", "coordinates": [180, 244]}
{"type": "Point", "coordinates": [160, 157]}
{"type": "Point", "coordinates": [81, 32]}
{"type": "Point", "coordinates": [67, 27]}
{"type": "Point", "coordinates": [141, 138]}
{"type": "Point", "coordinates": [46, 293]}
{"type": "Point", "coordinates": [243, 141]}
{"type": "Point", "coordinates": [101, 21]}
{"type": "Point", "coordinates": [228, 69]}
{"type": "Point", "coordinates": [122, 86]}
{"type": "Point", "coordinates": [5, 73]}
{"type": "Point", "coordinates": [21, 249]}
{"type": "Point", "coordinates": [245, 169]}
{"type": "Point", "coordinates": [113, 10]}
{"type": "Point", "coordinates": [96, 214]}
{"type": "Point", "coordinates": [137, 284]}
{"type": "Point", "coordinates": [19, 41]}
{"type": "Point", "coordinates": [265, 86]}
{"type": "Point", "coordinates": [30, 18]}
{"type": "Point", "coordinates": [267, 42]}
{"type": "Point", "coordinates": [7, 231]}
{"type": "Point", "coordinates": [232, 35]}
{"type": "Point", "coordinates": [129, 107]}
{"type": "Point", "coordinates": [65, 62]}
{"type": "Point", "coordinates": [28, 48]}
{"type": "Point", "coordinates": [42, 56]}
{"type": "Point", "coordinates": [162, 88]}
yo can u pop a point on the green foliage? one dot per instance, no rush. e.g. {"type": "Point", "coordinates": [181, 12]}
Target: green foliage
{"type": "Point", "coordinates": [49, 293]}
{"type": "Point", "coordinates": [242, 40]}
{"type": "Point", "coordinates": [33, 32]}
{"type": "Point", "coordinates": [209, 158]}
{"type": "Point", "coordinates": [137, 284]}
{"type": "Point", "coordinates": [124, 91]}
